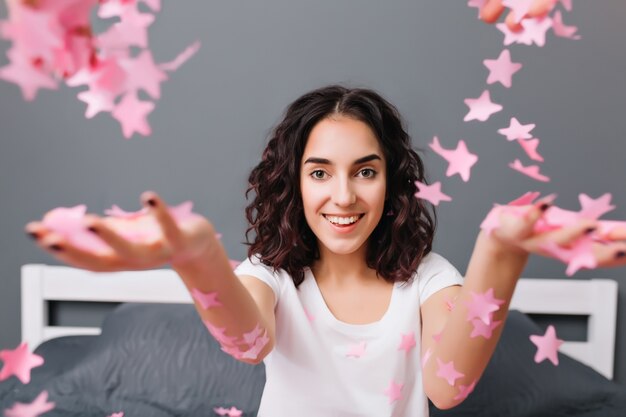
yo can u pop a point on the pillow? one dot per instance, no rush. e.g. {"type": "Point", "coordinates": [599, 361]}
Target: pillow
{"type": "Point", "coordinates": [514, 385]}
{"type": "Point", "coordinates": [155, 360]}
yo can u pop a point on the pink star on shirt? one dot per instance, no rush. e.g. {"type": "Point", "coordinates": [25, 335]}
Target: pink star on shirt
{"type": "Point", "coordinates": [447, 371]}
{"type": "Point", "coordinates": [560, 29]}
{"type": "Point", "coordinates": [516, 130]}
{"type": "Point", "coordinates": [408, 342]}
{"type": "Point", "coordinates": [530, 147]}
{"type": "Point", "coordinates": [482, 329]}
{"type": "Point", "coordinates": [502, 69]}
{"type": "Point", "coordinates": [19, 362]}
{"type": "Point", "coordinates": [595, 208]}
{"type": "Point", "coordinates": [481, 108]}
{"type": "Point", "coordinates": [431, 193]}
{"type": "Point", "coordinates": [394, 391]}
{"type": "Point", "coordinates": [482, 305]}
{"type": "Point", "coordinates": [531, 171]}
{"type": "Point", "coordinates": [131, 113]}
{"type": "Point", "coordinates": [465, 390]}
{"type": "Point", "coordinates": [39, 406]}
{"type": "Point", "coordinates": [206, 300]}
{"type": "Point", "coordinates": [460, 160]}
{"type": "Point", "coordinates": [357, 350]}
{"type": "Point", "coordinates": [547, 346]}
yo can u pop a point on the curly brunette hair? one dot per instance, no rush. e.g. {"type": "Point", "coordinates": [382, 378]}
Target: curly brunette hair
{"type": "Point", "coordinates": [283, 239]}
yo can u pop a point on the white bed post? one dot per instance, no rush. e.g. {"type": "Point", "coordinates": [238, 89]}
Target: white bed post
{"type": "Point", "coordinates": [34, 306]}
{"type": "Point", "coordinates": [601, 326]}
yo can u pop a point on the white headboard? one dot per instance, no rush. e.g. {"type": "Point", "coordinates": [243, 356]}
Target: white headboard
{"type": "Point", "coordinates": [596, 298]}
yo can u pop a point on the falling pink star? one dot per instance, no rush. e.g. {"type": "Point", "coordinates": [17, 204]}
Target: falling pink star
{"type": "Point", "coordinates": [530, 147]}
{"type": "Point", "coordinates": [482, 305]}
{"type": "Point", "coordinates": [595, 208]}
{"type": "Point", "coordinates": [560, 29]}
{"type": "Point", "coordinates": [230, 412]}
{"type": "Point", "coordinates": [567, 4]}
{"type": "Point", "coordinates": [431, 193]}
{"type": "Point", "coordinates": [356, 351]}
{"type": "Point", "coordinates": [465, 391]}
{"type": "Point", "coordinates": [482, 329]}
{"type": "Point", "coordinates": [531, 171]}
{"type": "Point", "coordinates": [519, 8]}
{"type": "Point", "coordinates": [29, 78]}
{"type": "Point", "coordinates": [131, 30]}
{"type": "Point", "coordinates": [394, 391]}
{"type": "Point", "coordinates": [447, 371]}
{"type": "Point", "coordinates": [535, 29]}
{"type": "Point", "coordinates": [481, 108]}
{"type": "Point", "coordinates": [426, 356]}
{"type": "Point", "coordinates": [525, 199]}
{"type": "Point", "coordinates": [97, 101]}
{"type": "Point", "coordinates": [144, 74]}
{"type": "Point", "coordinates": [547, 346]}
{"type": "Point", "coordinates": [408, 342]}
{"type": "Point", "coordinates": [206, 300]}
{"type": "Point", "coordinates": [579, 255]}
{"type": "Point", "coordinates": [39, 406]}
{"type": "Point", "coordinates": [502, 69]}
{"type": "Point", "coordinates": [120, 414]}
{"type": "Point", "coordinates": [516, 130]}
{"type": "Point", "coordinates": [19, 362]}
{"type": "Point", "coordinates": [181, 58]}
{"type": "Point", "coordinates": [131, 113]}
{"type": "Point", "coordinates": [478, 4]}
{"type": "Point", "coordinates": [460, 160]}
{"type": "Point", "coordinates": [512, 37]}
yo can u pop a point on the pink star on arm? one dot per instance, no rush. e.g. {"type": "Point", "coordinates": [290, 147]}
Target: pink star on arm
{"type": "Point", "coordinates": [482, 329]}
{"type": "Point", "coordinates": [39, 406]}
{"type": "Point", "coordinates": [460, 160]}
{"type": "Point", "coordinates": [465, 390]}
{"type": "Point", "coordinates": [131, 113]}
{"type": "Point", "coordinates": [394, 391]}
{"type": "Point", "coordinates": [481, 108]}
{"type": "Point", "coordinates": [447, 371]}
{"type": "Point", "coordinates": [253, 335]}
{"type": "Point", "coordinates": [595, 208]}
{"type": "Point", "coordinates": [219, 333]}
{"type": "Point", "coordinates": [358, 350]}
{"type": "Point", "coordinates": [206, 300]}
{"type": "Point", "coordinates": [502, 69]}
{"type": "Point", "coordinates": [19, 362]}
{"type": "Point", "coordinates": [431, 193]}
{"type": "Point", "coordinates": [547, 346]}
{"type": "Point", "coordinates": [560, 29]}
{"type": "Point", "coordinates": [516, 130]}
{"type": "Point", "coordinates": [408, 342]}
{"type": "Point", "coordinates": [482, 305]}
{"type": "Point", "coordinates": [426, 356]}
{"type": "Point", "coordinates": [531, 171]}
{"type": "Point", "coordinates": [530, 147]}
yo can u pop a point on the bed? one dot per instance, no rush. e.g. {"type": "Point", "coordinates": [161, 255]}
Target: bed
{"type": "Point", "coordinates": [153, 357]}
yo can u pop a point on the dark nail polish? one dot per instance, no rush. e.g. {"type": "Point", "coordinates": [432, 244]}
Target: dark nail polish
{"type": "Point", "coordinates": [152, 202]}
{"type": "Point", "coordinates": [620, 254]}
{"type": "Point", "coordinates": [56, 248]}
{"type": "Point", "coordinates": [93, 230]}
{"type": "Point", "coordinates": [33, 235]}
{"type": "Point", "coordinates": [590, 230]}
{"type": "Point", "coordinates": [544, 206]}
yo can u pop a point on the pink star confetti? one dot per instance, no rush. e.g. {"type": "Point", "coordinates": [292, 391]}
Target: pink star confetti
{"type": "Point", "coordinates": [19, 362]}
{"type": "Point", "coordinates": [131, 113]}
{"type": "Point", "coordinates": [516, 130]}
{"type": "Point", "coordinates": [219, 333]}
{"type": "Point", "coordinates": [531, 171]}
{"type": "Point", "coordinates": [408, 342]}
{"type": "Point", "coordinates": [437, 336]}
{"type": "Point", "coordinates": [394, 391]}
{"type": "Point", "coordinates": [426, 357]}
{"type": "Point", "coordinates": [181, 58]}
{"type": "Point", "coordinates": [447, 371]}
{"type": "Point", "coordinates": [547, 346]}
{"type": "Point", "coordinates": [256, 348]}
{"type": "Point", "coordinates": [478, 4]}
{"type": "Point", "coordinates": [502, 69]}
{"type": "Point", "coordinates": [560, 29]}
{"type": "Point", "coordinates": [595, 208]}
{"type": "Point", "coordinates": [481, 108]}
{"type": "Point", "coordinates": [120, 414]}
{"type": "Point", "coordinates": [356, 351]}
{"type": "Point", "coordinates": [482, 329]}
{"type": "Point", "coordinates": [39, 406]}
{"type": "Point", "coordinates": [230, 412]}
{"type": "Point", "coordinates": [519, 8]}
{"type": "Point", "coordinates": [144, 74]}
{"type": "Point", "coordinates": [206, 300]}
{"type": "Point", "coordinates": [578, 256]}
{"type": "Point", "coordinates": [530, 147]}
{"type": "Point", "coordinates": [460, 160]}
{"type": "Point", "coordinates": [431, 193]}
{"type": "Point", "coordinates": [482, 305]}
{"type": "Point", "coordinates": [251, 337]}
{"type": "Point", "coordinates": [310, 317]}
{"type": "Point", "coordinates": [567, 4]}
{"type": "Point", "coordinates": [465, 391]}
{"type": "Point", "coordinates": [535, 30]}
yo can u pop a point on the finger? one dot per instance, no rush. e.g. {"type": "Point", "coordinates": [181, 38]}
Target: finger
{"type": "Point", "coordinates": [540, 8]}
{"type": "Point", "coordinates": [565, 236]}
{"type": "Point", "coordinates": [35, 230]}
{"type": "Point", "coordinates": [491, 11]}
{"type": "Point", "coordinates": [70, 254]}
{"type": "Point", "coordinates": [119, 244]}
{"type": "Point", "coordinates": [512, 23]}
{"type": "Point", "coordinates": [611, 255]}
{"type": "Point", "coordinates": [159, 209]}
{"type": "Point", "coordinates": [619, 233]}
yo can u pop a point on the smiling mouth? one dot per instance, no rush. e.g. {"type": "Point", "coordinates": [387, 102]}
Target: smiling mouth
{"type": "Point", "coordinates": [344, 222]}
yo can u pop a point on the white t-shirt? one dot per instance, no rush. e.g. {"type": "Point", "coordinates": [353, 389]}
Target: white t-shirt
{"type": "Point", "coordinates": [323, 367]}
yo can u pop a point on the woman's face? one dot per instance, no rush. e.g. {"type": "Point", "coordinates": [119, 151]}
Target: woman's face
{"type": "Point", "coordinates": [343, 183]}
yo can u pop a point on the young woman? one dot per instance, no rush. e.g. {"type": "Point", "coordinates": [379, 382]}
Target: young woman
{"type": "Point", "coordinates": [341, 295]}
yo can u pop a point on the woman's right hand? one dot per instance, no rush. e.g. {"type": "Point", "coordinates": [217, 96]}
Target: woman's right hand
{"type": "Point", "coordinates": [491, 11]}
{"type": "Point", "coordinates": [178, 243]}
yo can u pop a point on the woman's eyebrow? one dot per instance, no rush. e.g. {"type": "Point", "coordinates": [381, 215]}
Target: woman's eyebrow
{"type": "Point", "coordinates": [324, 161]}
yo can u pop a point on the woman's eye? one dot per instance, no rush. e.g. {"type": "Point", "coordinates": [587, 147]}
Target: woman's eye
{"type": "Point", "coordinates": [318, 174]}
{"type": "Point", "coordinates": [368, 173]}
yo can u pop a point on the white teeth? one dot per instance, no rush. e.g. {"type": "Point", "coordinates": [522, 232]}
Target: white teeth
{"type": "Point", "coordinates": [342, 220]}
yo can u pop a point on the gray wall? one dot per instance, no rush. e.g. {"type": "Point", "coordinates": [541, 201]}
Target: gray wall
{"type": "Point", "coordinates": [211, 123]}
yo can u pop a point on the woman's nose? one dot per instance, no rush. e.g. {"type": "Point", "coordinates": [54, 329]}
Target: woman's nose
{"type": "Point", "coordinates": [343, 194]}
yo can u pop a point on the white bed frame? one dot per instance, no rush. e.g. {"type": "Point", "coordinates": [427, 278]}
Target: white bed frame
{"type": "Point", "coordinates": [596, 298]}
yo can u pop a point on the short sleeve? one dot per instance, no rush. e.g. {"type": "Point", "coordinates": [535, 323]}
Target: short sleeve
{"type": "Point", "coordinates": [436, 273]}
{"type": "Point", "coordinates": [254, 267]}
